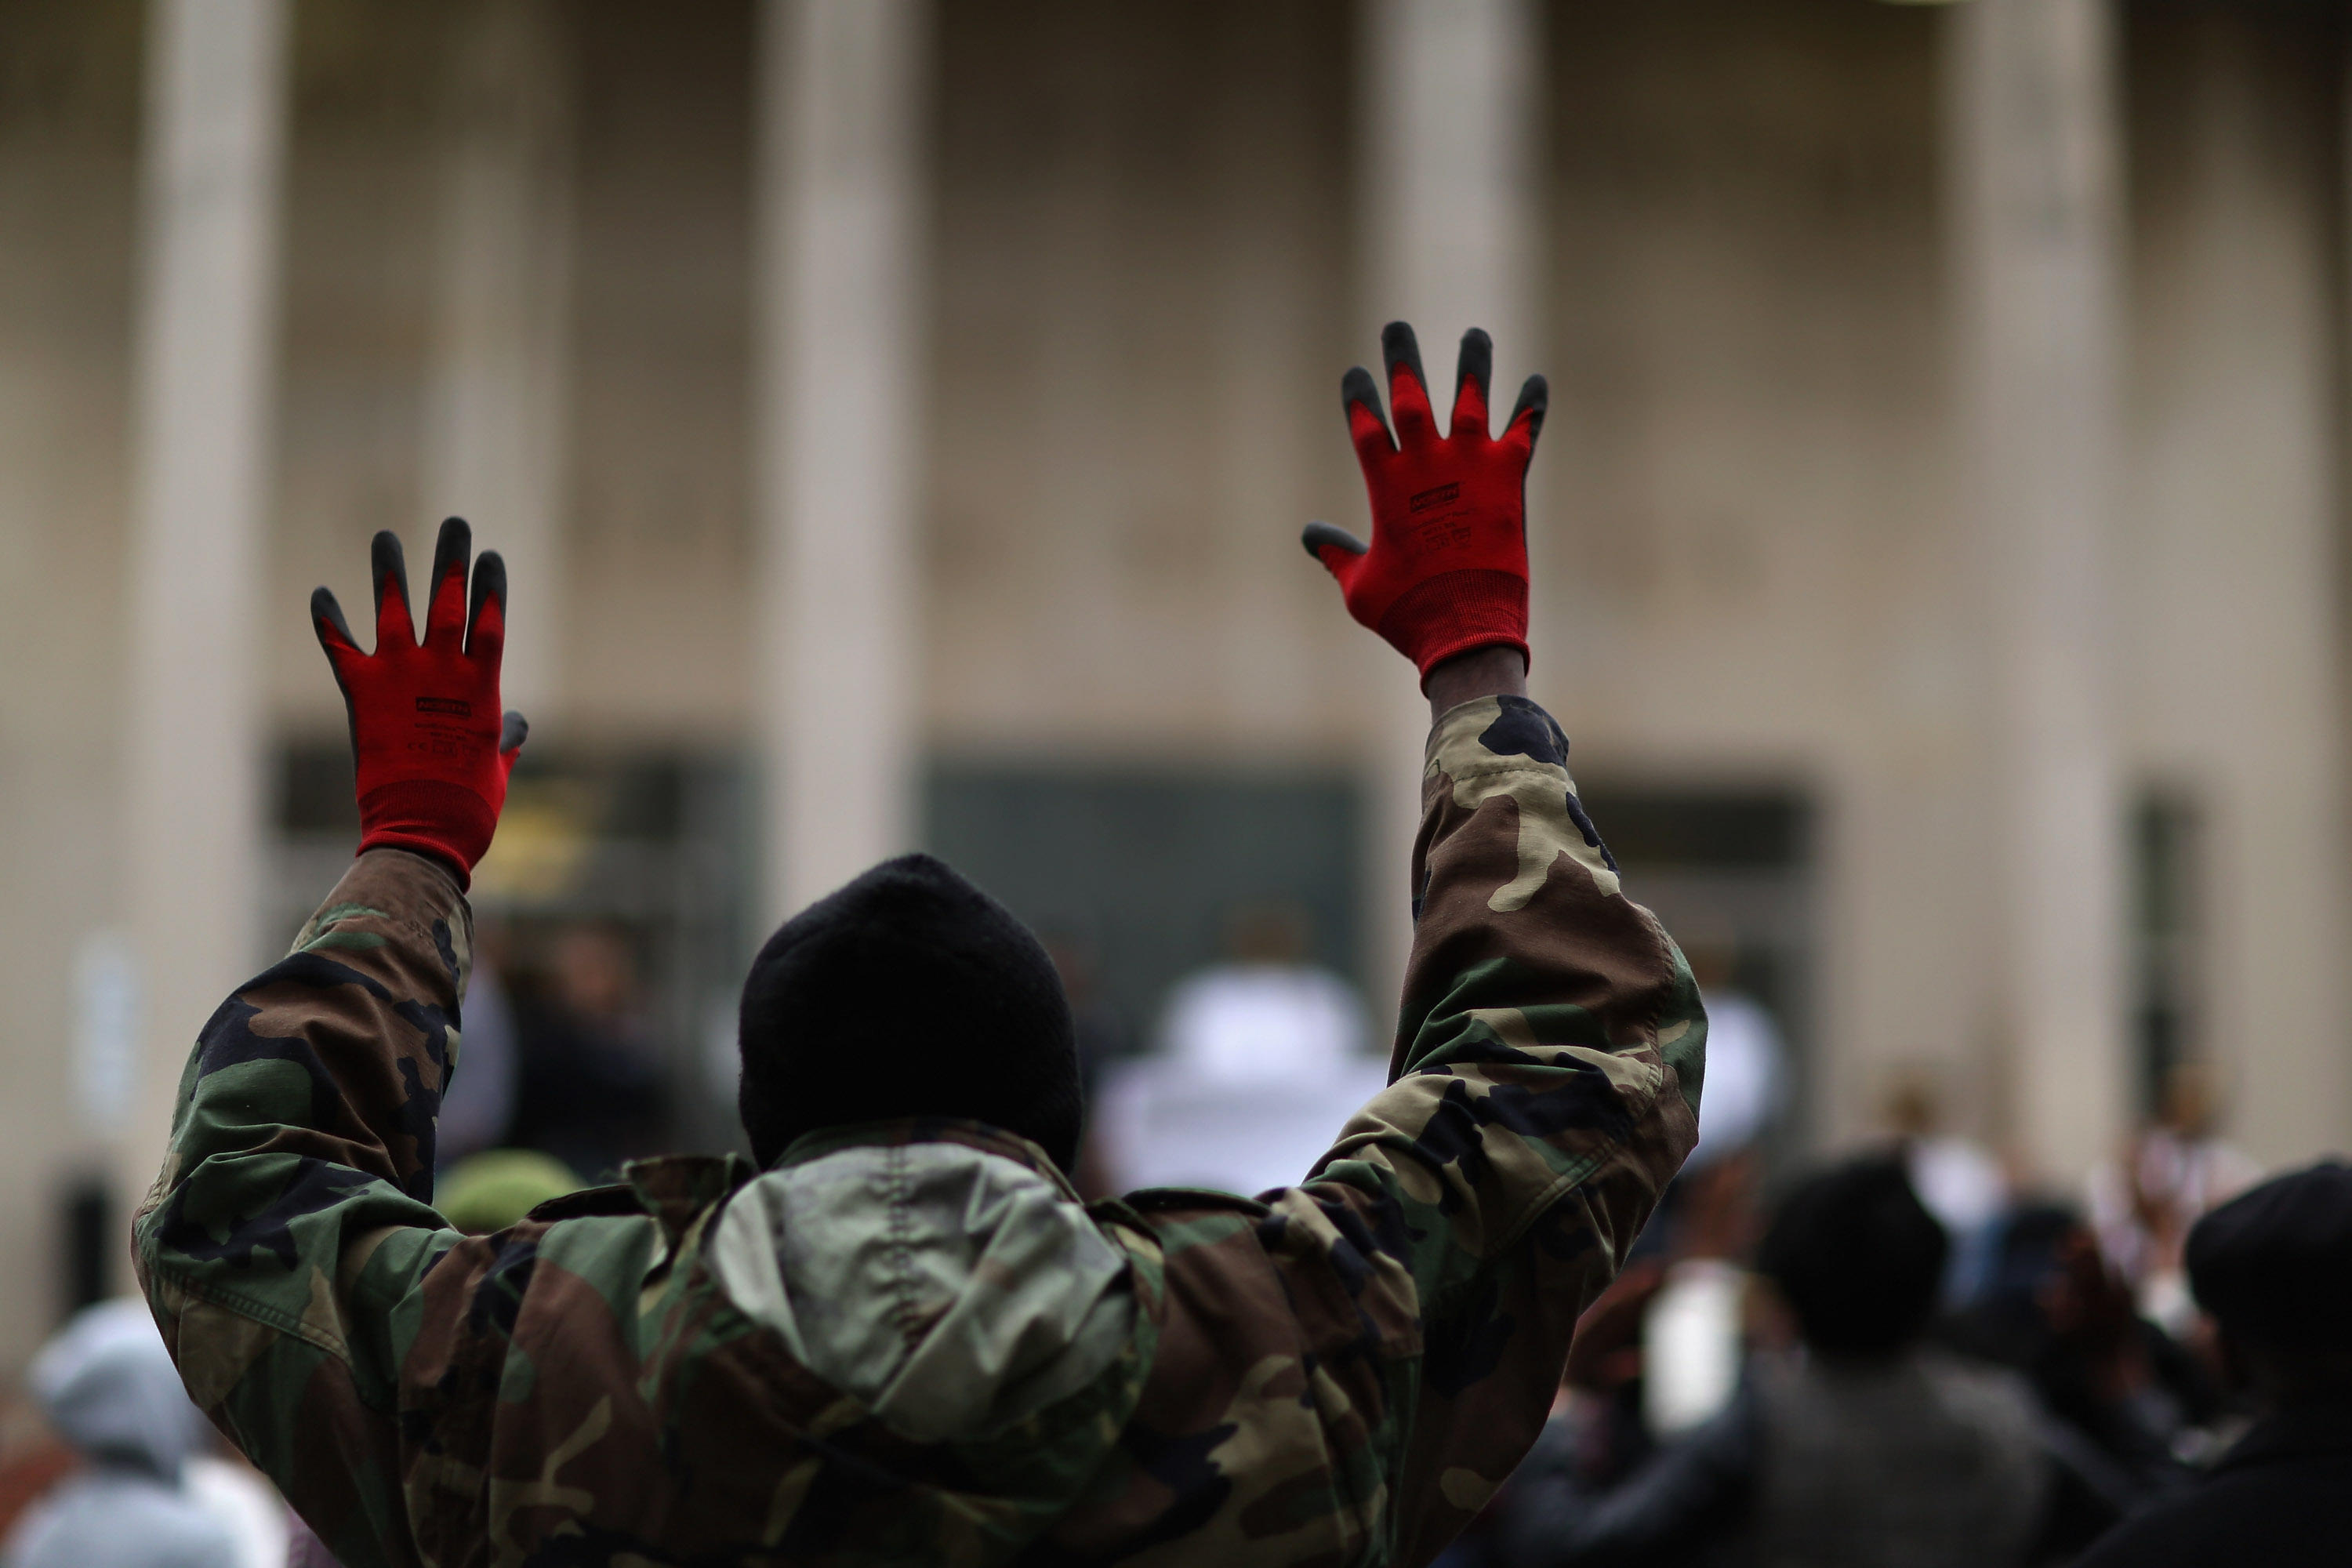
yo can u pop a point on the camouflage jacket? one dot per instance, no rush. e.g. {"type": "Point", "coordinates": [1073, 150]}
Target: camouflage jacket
{"type": "Point", "coordinates": [908, 1343]}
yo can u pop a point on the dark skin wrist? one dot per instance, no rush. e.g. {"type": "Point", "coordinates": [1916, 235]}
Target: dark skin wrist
{"type": "Point", "coordinates": [1467, 676]}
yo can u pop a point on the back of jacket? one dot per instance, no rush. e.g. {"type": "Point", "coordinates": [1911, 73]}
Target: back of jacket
{"type": "Point", "coordinates": [1918, 1462]}
{"type": "Point", "coordinates": [908, 1343]}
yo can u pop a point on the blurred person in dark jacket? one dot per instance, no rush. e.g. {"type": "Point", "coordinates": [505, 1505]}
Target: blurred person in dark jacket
{"type": "Point", "coordinates": [2121, 1400]}
{"type": "Point", "coordinates": [1861, 1446]}
{"type": "Point", "coordinates": [2274, 1267]}
{"type": "Point", "coordinates": [592, 1091]}
{"type": "Point", "coordinates": [479, 1109]}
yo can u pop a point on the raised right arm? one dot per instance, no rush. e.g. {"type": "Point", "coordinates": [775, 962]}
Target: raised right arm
{"type": "Point", "coordinates": [1548, 1056]}
{"type": "Point", "coordinates": [1550, 1042]}
{"type": "Point", "coordinates": [1350, 1370]}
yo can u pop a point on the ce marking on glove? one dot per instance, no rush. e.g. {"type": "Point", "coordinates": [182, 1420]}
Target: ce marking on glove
{"type": "Point", "coordinates": [437, 742]}
{"type": "Point", "coordinates": [1453, 529]}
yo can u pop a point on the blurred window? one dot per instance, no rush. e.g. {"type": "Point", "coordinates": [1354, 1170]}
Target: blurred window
{"type": "Point", "coordinates": [2164, 905]}
{"type": "Point", "coordinates": [1141, 871]}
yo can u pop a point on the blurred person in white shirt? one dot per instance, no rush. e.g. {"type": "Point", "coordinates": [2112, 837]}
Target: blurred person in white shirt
{"type": "Point", "coordinates": [1961, 1182]}
{"type": "Point", "coordinates": [2176, 1170]}
{"type": "Point", "coordinates": [1745, 1075]}
{"type": "Point", "coordinates": [1260, 1061]}
{"type": "Point", "coordinates": [1692, 1334]}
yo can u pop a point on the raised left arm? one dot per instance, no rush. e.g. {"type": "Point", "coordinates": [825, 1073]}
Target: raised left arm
{"type": "Point", "coordinates": [287, 1235]}
{"type": "Point", "coordinates": [285, 1242]}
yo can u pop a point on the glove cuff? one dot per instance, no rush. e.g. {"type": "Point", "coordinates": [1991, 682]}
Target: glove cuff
{"type": "Point", "coordinates": [429, 816]}
{"type": "Point", "coordinates": [1455, 612]}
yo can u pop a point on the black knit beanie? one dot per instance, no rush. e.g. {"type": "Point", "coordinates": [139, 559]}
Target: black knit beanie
{"type": "Point", "coordinates": [2274, 1264]}
{"type": "Point", "coordinates": [908, 993]}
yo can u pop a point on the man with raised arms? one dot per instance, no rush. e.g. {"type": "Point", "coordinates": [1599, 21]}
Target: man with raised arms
{"type": "Point", "coordinates": [898, 1336]}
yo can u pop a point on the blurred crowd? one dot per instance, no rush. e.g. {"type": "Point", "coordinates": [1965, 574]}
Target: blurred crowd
{"type": "Point", "coordinates": [1901, 1358]}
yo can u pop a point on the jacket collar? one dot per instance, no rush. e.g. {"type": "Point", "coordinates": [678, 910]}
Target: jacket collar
{"type": "Point", "coordinates": [903, 1129]}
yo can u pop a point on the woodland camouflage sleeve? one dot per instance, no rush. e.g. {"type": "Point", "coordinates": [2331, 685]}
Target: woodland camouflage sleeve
{"type": "Point", "coordinates": [282, 1244]}
{"type": "Point", "coordinates": [1548, 1056]}
{"type": "Point", "coordinates": [1346, 1369]}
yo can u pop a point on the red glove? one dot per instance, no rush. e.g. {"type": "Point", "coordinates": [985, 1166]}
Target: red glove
{"type": "Point", "coordinates": [1447, 568]}
{"type": "Point", "coordinates": [432, 749]}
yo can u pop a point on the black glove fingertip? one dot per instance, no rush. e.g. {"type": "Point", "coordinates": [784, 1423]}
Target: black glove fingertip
{"type": "Point", "coordinates": [1400, 347]}
{"type": "Point", "coordinates": [1475, 365]}
{"type": "Point", "coordinates": [326, 612]}
{"type": "Point", "coordinates": [387, 567]}
{"type": "Point", "coordinates": [1357, 386]}
{"type": "Point", "coordinates": [513, 730]}
{"type": "Point", "coordinates": [451, 549]}
{"type": "Point", "coordinates": [490, 587]}
{"type": "Point", "coordinates": [1535, 401]}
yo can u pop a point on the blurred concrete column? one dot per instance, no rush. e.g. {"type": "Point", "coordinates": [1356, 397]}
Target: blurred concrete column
{"type": "Point", "coordinates": [205, 407]}
{"type": "Point", "coordinates": [1267, 437]}
{"type": "Point", "coordinates": [2036, 192]}
{"type": "Point", "coordinates": [839, 438]}
{"type": "Point", "coordinates": [497, 401]}
{"type": "Point", "coordinates": [1448, 170]}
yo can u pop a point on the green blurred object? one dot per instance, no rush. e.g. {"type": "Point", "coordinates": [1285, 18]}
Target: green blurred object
{"type": "Point", "coordinates": [494, 1189]}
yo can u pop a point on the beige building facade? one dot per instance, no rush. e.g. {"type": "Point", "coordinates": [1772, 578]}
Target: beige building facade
{"type": "Point", "coordinates": [1946, 455]}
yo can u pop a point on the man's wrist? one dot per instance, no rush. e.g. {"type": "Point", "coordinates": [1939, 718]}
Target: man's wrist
{"type": "Point", "coordinates": [431, 854]}
{"type": "Point", "coordinates": [1494, 671]}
